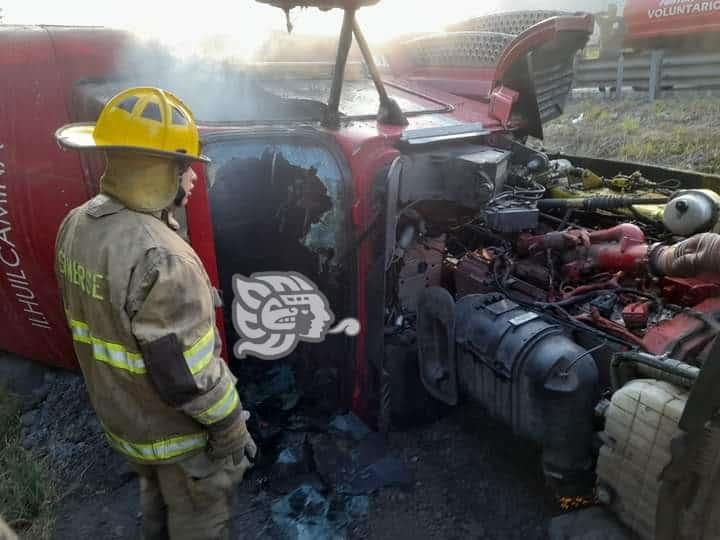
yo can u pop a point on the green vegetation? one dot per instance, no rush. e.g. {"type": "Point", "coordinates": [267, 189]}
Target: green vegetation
{"type": "Point", "coordinates": [681, 131]}
{"type": "Point", "coordinates": [26, 495]}
{"type": "Point", "coordinates": [596, 113]}
{"type": "Point", "coordinates": [630, 126]}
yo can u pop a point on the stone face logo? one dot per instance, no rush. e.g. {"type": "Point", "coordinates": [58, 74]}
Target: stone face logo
{"type": "Point", "coordinates": [274, 311]}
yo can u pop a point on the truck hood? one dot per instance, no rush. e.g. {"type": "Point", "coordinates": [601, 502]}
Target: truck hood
{"type": "Point", "coordinates": [521, 63]}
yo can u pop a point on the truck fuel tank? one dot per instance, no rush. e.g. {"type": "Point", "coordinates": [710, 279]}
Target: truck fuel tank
{"type": "Point", "coordinates": [525, 371]}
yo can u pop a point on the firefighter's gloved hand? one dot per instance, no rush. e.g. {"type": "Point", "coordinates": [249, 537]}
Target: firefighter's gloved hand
{"type": "Point", "coordinates": [233, 440]}
{"type": "Point", "coordinates": [695, 255]}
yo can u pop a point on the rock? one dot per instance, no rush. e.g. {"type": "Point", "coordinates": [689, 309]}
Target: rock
{"type": "Point", "coordinates": [29, 418]}
{"type": "Point", "coordinates": [19, 375]}
{"type": "Point", "coordinates": [474, 530]}
{"type": "Point", "coordinates": [36, 397]}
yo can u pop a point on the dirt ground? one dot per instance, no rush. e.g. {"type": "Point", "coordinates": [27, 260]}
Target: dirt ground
{"type": "Point", "coordinates": [471, 478]}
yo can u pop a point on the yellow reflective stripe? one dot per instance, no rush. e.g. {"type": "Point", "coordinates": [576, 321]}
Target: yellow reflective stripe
{"type": "Point", "coordinates": [80, 331]}
{"type": "Point", "coordinates": [116, 356]}
{"type": "Point", "coordinates": [107, 352]}
{"type": "Point", "coordinates": [157, 450]}
{"type": "Point", "coordinates": [199, 355]}
{"type": "Point", "coordinates": [224, 406]}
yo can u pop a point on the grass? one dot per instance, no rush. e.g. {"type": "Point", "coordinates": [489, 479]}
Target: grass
{"type": "Point", "coordinates": [680, 131]}
{"type": "Point", "coordinates": [630, 126]}
{"type": "Point", "coordinates": [26, 495]}
{"type": "Point", "coordinates": [679, 144]}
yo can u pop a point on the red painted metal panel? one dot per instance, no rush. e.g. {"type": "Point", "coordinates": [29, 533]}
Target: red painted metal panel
{"type": "Point", "coordinates": [365, 157]}
{"type": "Point", "coordinates": [544, 32]}
{"type": "Point", "coordinates": [200, 231]}
{"type": "Point", "coordinates": [39, 183]}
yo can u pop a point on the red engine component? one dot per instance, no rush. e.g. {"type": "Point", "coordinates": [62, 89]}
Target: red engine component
{"type": "Point", "coordinates": [472, 274]}
{"type": "Point", "coordinates": [686, 335]}
{"type": "Point", "coordinates": [637, 314]}
{"type": "Point", "coordinates": [618, 249]}
{"type": "Point", "coordinates": [596, 319]}
{"type": "Point", "coordinates": [690, 291]}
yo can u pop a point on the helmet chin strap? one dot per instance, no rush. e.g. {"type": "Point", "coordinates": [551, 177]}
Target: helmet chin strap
{"type": "Point", "coordinates": [179, 196]}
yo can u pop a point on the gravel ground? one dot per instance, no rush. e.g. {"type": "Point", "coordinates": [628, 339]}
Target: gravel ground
{"type": "Point", "coordinates": [471, 479]}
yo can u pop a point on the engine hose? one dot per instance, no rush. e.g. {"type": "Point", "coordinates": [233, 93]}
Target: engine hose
{"type": "Point", "coordinates": [579, 299]}
{"type": "Point", "coordinates": [567, 319]}
{"type": "Point", "coordinates": [608, 202]}
{"type": "Point", "coordinates": [696, 255]}
{"type": "Point", "coordinates": [648, 365]}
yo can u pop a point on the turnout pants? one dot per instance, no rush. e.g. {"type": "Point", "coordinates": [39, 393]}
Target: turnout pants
{"type": "Point", "coordinates": [188, 500]}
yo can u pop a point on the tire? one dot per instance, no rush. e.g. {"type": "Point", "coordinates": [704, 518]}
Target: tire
{"type": "Point", "coordinates": [461, 49]}
{"type": "Point", "coordinates": [511, 22]}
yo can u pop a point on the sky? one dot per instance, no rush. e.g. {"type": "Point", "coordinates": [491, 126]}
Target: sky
{"type": "Point", "coordinates": [240, 25]}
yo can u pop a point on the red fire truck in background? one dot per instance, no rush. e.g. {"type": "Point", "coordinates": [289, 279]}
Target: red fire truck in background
{"type": "Point", "coordinates": [670, 25]}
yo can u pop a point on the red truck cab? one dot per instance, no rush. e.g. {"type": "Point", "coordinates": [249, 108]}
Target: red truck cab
{"type": "Point", "coordinates": [55, 75]}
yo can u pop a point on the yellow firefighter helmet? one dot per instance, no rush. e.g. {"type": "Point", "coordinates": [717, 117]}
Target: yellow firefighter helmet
{"type": "Point", "coordinates": [142, 119]}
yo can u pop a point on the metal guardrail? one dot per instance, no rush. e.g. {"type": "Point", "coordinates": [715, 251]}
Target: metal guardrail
{"type": "Point", "coordinates": [651, 72]}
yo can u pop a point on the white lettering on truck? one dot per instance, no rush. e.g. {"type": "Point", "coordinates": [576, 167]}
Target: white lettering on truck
{"type": "Point", "coordinates": [674, 8]}
{"type": "Point", "coordinates": [11, 261]}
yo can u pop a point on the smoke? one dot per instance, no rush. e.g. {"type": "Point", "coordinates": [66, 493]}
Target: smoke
{"type": "Point", "coordinates": [215, 89]}
{"type": "Point", "coordinates": [207, 65]}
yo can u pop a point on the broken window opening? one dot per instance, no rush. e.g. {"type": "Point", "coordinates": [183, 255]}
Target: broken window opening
{"type": "Point", "coordinates": [277, 206]}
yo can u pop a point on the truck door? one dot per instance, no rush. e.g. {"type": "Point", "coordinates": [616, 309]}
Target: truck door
{"type": "Point", "coordinates": [279, 201]}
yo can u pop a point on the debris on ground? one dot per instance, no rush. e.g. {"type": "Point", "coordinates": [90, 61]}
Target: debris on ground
{"type": "Point", "coordinates": [326, 476]}
{"type": "Point", "coordinates": [356, 467]}
{"type": "Point", "coordinates": [351, 425]}
{"type": "Point", "coordinates": [372, 486]}
{"type": "Point", "coordinates": [277, 389]}
{"type": "Point", "coordinates": [306, 514]}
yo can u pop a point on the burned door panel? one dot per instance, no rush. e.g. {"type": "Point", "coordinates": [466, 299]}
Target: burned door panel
{"type": "Point", "coordinates": [277, 205]}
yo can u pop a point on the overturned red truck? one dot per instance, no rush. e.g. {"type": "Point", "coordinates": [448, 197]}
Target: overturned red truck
{"type": "Point", "coordinates": [480, 268]}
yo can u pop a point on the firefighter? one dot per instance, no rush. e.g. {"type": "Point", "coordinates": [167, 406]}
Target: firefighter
{"type": "Point", "coordinates": [186, 183]}
{"type": "Point", "coordinates": [141, 310]}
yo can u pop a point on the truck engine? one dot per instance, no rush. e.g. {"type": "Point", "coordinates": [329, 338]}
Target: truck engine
{"type": "Point", "coordinates": [577, 310]}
